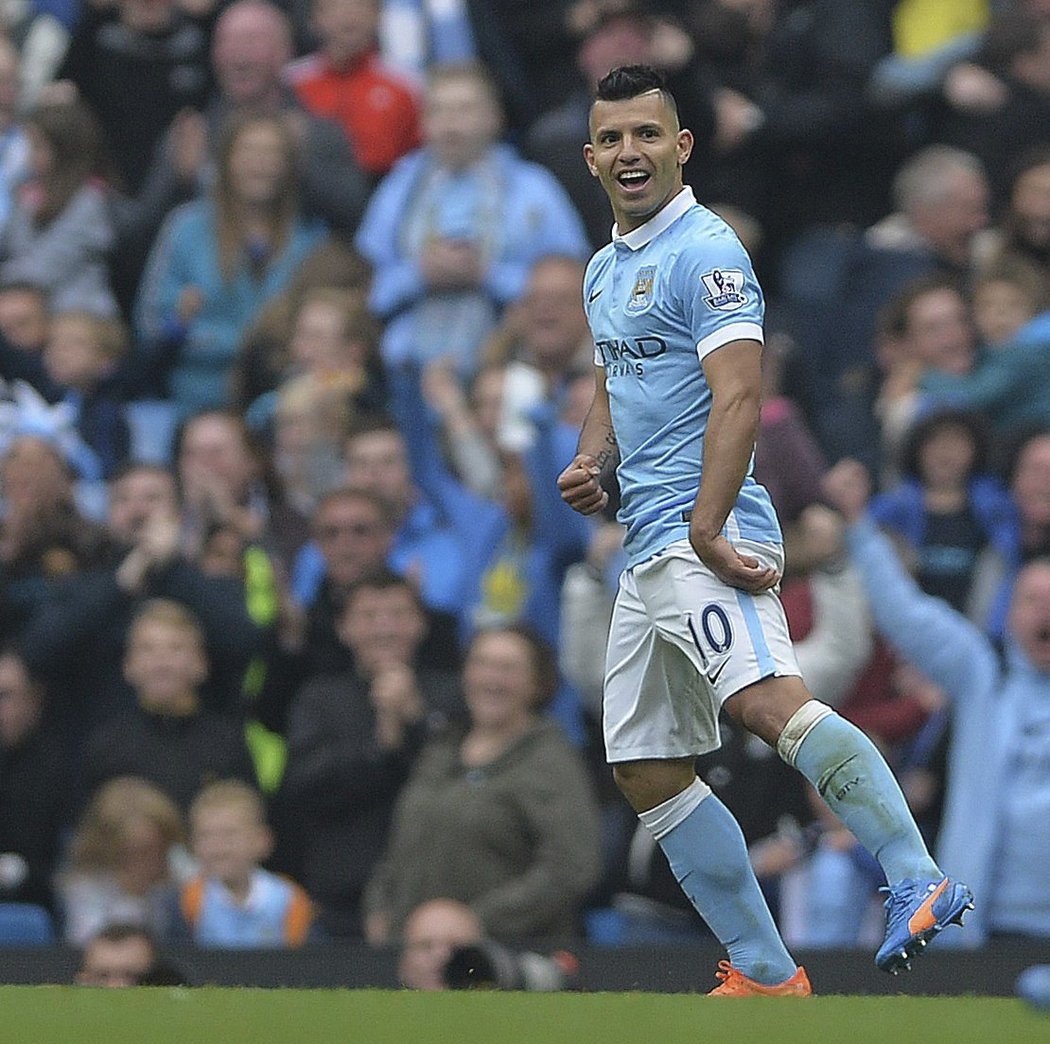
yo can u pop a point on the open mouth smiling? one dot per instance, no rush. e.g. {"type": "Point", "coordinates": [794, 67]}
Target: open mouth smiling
{"type": "Point", "coordinates": [633, 180]}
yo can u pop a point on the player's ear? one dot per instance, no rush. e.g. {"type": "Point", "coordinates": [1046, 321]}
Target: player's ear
{"type": "Point", "coordinates": [588, 156]}
{"type": "Point", "coordinates": [684, 145]}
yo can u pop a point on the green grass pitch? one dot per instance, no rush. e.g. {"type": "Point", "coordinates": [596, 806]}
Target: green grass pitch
{"type": "Point", "coordinates": [70, 1015]}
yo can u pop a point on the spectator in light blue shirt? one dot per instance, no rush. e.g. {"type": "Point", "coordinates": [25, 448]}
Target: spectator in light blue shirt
{"type": "Point", "coordinates": [996, 825]}
{"type": "Point", "coordinates": [455, 227]}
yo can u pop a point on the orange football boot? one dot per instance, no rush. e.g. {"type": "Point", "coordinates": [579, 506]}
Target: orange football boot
{"type": "Point", "coordinates": [736, 984]}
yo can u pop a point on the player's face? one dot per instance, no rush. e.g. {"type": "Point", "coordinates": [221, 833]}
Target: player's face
{"type": "Point", "coordinates": [637, 152]}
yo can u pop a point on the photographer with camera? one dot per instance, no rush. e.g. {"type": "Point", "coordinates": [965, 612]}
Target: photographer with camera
{"type": "Point", "coordinates": [444, 948]}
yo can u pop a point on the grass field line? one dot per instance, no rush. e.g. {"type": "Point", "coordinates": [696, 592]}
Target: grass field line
{"type": "Point", "coordinates": [75, 1015]}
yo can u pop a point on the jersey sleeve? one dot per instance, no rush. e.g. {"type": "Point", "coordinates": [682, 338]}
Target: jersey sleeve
{"type": "Point", "coordinates": [720, 296]}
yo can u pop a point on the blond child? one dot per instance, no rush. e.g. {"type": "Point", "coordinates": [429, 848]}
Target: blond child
{"type": "Point", "coordinates": [233, 901]}
{"type": "Point", "coordinates": [169, 737]}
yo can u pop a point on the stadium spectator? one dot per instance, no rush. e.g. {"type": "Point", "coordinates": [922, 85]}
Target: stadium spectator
{"type": "Point", "coordinates": [502, 815]}
{"type": "Point", "coordinates": [122, 862]}
{"type": "Point", "coordinates": [515, 549]}
{"type": "Point", "coordinates": [948, 512]}
{"type": "Point", "coordinates": [218, 260]}
{"type": "Point", "coordinates": [120, 955]}
{"type": "Point", "coordinates": [941, 200]}
{"type": "Point", "coordinates": [1010, 384]}
{"type": "Point", "coordinates": [79, 367]}
{"type": "Point", "coordinates": [345, 80]}
{"type": "Point", "coordinates": [1006, 295]}
{"type": "Point", "coordinates": [426, 544]}
{"type": "Point", "coordinates": [332, 353]}
{"type": "Point", "coordinates": [1029, 482]}
{"type": "Point", "coordinates": [354, 531]}
{"type": "Point", "coordinates": [44, 537]}
{"type": "Point", "coordinates": [1016, 50]}
{"type": "Point", "coordinates": [24, 316]}
{"type": "Point", "coordinates": [252, 45]}
{"type": "Point", "coordinates": [60, 232]}
{"type": "Point", "coordinates": [471, 421]}
{"type": "Point", "coordinates": [75, 643]}
{"type": "Point", "coordinates": [352, 740]}
{"type": "Point", "coordinates": [837, 282]}
{"type": "Point", "coordinates": [138, 63]}
{"type": "Point", "coordinates": [168, 738]}
{"type": "Point", "coordinates": [925, 326]}
{"type": "Point", "coordinates": [1024, 228]}
{"type": "Point", "coordinates": [225, 483]}
{"type": "Point", "coordinates": [232, 902]}
{"type": "Point", "coordinates": [433, 931]}
{"type": "Point", "coordinates": [455, 228]}
{"type": "Point", "coordinates": [34, 788]}
{"type": "Point", "coordinates": [263, 354]}
{"type": "Point", "coordinates": [995, 820]}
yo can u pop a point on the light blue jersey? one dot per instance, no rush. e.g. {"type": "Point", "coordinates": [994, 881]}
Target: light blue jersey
{"type": "Point", "coordinates": [658, 300]}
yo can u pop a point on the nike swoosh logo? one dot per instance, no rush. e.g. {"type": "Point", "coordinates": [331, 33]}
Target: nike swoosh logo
{"type": "Point", "coordinates": [717, 672]}
{"type": "Point", "coordinates": [923, 920]}
{"type": "Point", "coordinates": [594, 294]}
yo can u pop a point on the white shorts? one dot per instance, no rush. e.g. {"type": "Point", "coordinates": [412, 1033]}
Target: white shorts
{"type": "Point", "coordinates": [681, 642]}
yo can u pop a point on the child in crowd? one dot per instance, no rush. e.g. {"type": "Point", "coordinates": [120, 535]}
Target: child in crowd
{"type": "Point", "coordinates": [81, 357]}
{"type": "Point", "coordinates": [233, 901]}
{"type": "Point", "coordinates": [77, 367]}
{"type": "Point", "coordinates": [168, 737]}
{"type": "Point", "coordinates": [123, 861]}
{"type": "Point", "coordinates": [949, 513]}
{"type": "Point", "coordinates": [1006, 296]}
{"type": "Point", "coordinates": [1011, 383]}
{"type": "Point", "coordinates": [333, 345]}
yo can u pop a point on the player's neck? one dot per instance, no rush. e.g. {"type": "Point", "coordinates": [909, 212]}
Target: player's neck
{"type": "Point", "coordinates": [626, 223]}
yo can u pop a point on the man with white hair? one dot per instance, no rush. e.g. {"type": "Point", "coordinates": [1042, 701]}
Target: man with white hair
{"type": "Point", "coordinates": [941, 200]}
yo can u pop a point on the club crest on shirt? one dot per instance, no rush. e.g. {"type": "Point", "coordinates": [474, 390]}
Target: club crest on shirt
{"type": "Point", "coordinates": [725, 289]}
{"type": "Point", "coordinates": [642, 291]}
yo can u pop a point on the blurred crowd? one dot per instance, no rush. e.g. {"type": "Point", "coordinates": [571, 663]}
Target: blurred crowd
{"type": "Point", "coordinates": [296, 634]}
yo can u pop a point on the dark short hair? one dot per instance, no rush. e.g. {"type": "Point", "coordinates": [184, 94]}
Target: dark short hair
{"type": "Point", "coordinates": [542, 659]}
{"type": "Point", "coordinates": [383, 579]}
{"type": "Point", "coordinates": [383, 509]}
{"type": "Point", "coordinates": [933, 424]}
{"type": "Point", "coordinates": [894, 317]}
{"type": "Point", "coordinates": [629, 81]}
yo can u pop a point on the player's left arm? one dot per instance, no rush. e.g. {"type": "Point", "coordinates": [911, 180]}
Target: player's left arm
{"type": "Point", "coordinates": [734, 375]}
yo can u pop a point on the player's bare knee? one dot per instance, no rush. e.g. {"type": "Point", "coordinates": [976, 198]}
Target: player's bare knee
{"type": "Point", "coordinates": [647, 784]}
{"type": "Point", "coordinates": [767, 706]}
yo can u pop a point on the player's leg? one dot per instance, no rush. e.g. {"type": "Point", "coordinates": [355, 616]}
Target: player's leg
{"type": "Point", "coordinates": [851, 775]}
{"type": "Point", "coordinates": [707, 854]}
{"type": "Point", "coordinates": [657, 716]}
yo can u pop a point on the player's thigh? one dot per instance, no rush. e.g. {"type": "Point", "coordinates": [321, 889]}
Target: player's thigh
{"type": "Point", "coordinates": [733, 638]}
{"type": "Point", "coordinates": [656, 704]}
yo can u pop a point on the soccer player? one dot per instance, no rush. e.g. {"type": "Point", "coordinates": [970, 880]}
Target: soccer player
{"type": "Point", "coordinates": [676, 316]}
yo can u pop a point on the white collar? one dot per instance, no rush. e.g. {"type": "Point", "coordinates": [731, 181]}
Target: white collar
{"type": "Point", "coordinates": [666, 216]}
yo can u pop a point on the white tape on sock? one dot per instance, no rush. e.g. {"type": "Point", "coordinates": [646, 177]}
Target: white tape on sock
{"type": "Point", "coordinates": [667, 815]}
{"type": "Point", "coordinates": [799, 726]}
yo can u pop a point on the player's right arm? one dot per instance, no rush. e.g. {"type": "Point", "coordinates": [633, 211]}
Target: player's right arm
{"type": "Point", "coordinates": [580, 483]}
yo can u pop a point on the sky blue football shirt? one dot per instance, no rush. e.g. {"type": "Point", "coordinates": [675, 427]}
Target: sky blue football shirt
{"type": "Point", "coordinates": [658, 300]}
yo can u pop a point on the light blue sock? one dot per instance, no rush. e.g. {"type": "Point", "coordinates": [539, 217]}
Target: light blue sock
{"type": "Point", "coordinates": [709, 860]}
{"type": "Point", "coordinates": [853, 778]}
